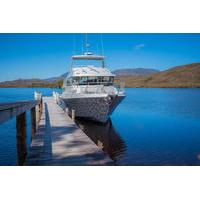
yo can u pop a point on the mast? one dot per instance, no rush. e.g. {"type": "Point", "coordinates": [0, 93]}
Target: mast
{"type": "Point", "coordinates": [86, 42]}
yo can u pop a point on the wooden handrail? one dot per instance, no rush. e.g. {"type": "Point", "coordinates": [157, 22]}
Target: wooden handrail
{"type": "Point", "coordinates": [10, 110]}
{"type": "Point", "coordinates": [18, 110]}
{"type": "Point", "coordinates": [5, 106]}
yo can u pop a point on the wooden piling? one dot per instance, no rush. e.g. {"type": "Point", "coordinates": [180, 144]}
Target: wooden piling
{"type": "Point", "coordinates": [21, 138]}
{"type": "Point", "coordinates": [39, 110]}
{"type": "Point", "coordinates": [33, 122]}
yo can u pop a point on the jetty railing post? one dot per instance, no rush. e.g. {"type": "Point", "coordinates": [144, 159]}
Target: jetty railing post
{"type": "Point", "coordinates": [21, 138]}
{"type": "Point", "coordinates": [38, 97]}
{"type": "Point", "coordinates": [73, 115]}
{"type": "Point", "coordinates": [37, 109]}
{"type": "Point", "coordinates": [67, 110]}
{"type": "Point", "coordinates": [40, 109]}
{"type": "Point", "coordinates": [33, 122]}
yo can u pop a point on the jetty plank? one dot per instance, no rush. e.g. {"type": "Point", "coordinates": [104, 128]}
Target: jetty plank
{"type": "Point", "coordinates": [59, 141]}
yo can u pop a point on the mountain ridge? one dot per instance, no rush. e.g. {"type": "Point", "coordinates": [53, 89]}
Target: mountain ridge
{"type": "Point", "coordinates": [179, 76]}
{"type": "Point", "coordinates": [135, 71]}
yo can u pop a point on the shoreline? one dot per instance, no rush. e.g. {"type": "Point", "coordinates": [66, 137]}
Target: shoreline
{"type": "Point", "coordinates": [164, 87]}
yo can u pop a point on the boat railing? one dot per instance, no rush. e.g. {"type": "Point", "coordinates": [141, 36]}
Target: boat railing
{"type": "Point", "coordinates": [120, 87]}
{"type": "Point", "coordinates": [89, 83]}
{"type": "Point", "coordinates": [98, 88]}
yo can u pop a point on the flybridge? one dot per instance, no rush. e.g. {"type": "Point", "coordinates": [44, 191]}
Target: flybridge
{"type": "Point", "coordinates": [87, 56]}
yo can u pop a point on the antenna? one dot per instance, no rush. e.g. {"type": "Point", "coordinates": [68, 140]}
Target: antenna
{"type": "Point", "coordinates": [86, 43]}
{"type": "Point", "coordinates": [82, 47]}
{"type": "Point", "coordinates": [102, 49]}
{"type": "Point", "coordinates": [74, 50]}
{"type": "Point", "coordinates": [74, 45]}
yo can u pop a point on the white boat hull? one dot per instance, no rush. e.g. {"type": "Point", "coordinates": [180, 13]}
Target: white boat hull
{"type": "Point", "coordinates": [93, 108]}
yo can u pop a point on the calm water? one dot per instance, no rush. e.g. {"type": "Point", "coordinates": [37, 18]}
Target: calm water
{"type": "Point", "coordinates": [8, 130]}
{"type": "Point", "coordinates": [150, 127]}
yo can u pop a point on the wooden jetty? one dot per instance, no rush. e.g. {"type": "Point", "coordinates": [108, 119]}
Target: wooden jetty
{"type": "Point", "coordinates": [57, 141]}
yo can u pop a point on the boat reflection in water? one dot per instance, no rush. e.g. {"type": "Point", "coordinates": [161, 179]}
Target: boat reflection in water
{"type": "Point", "coordinates": [105, 136]}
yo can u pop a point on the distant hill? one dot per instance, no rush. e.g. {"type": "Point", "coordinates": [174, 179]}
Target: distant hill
{"type": "Point", "coordinates": [135, 72]}
{"type": "Point", "coordinates": [22, 82]}
{"type": "Point", "coordinates": [30, 83]}
{"type": "Point", "coordinates": [179, 76]}
{"type": "Point", "coordinates": [56, 78]}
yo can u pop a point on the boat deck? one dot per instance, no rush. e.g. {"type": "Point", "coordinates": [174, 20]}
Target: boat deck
{"type": "Point", "coordinates": [59, 141]}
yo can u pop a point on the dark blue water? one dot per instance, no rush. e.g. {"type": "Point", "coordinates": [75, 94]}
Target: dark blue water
{"type": "Point", "coordinates": [8, 155]}
{"type": "Point", "coordinates": [160, 126]}
{"type": "Point", "coordinates": [150, 127]}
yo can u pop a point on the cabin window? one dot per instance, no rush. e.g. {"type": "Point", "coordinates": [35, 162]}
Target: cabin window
{"type": "Point", "coordinates": [83, 80]}
{"type": "Point", "coordinates": [111, 79]}
{"type": "Point", "coordinates": [106, 79]}
{"type": "Point", "coordinates": [99, 79]}
{"type": "Point", "coordinates": [69, 81]}
{"type": "Point", "coordinates": [92, 80]}
{"type": "Point", "coordinates": [76, 80]}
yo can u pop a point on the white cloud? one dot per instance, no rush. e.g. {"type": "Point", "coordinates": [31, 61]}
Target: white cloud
{"type": "Point", "coordinates": [139, 46]}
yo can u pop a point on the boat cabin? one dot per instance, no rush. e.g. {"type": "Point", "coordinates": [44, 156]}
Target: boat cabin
{"type": "Point", "coordinates": [89, 74]}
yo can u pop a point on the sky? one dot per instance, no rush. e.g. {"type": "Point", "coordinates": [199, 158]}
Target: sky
{"type": "Point", "coordinates": [48, 55]}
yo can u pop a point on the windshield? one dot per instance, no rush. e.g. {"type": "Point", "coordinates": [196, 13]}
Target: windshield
{"type": "Point", "coordinates": [91, 80]}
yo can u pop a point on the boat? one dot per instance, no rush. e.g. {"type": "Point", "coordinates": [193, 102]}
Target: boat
{"type": "Point", "coordinates": [89, 88]}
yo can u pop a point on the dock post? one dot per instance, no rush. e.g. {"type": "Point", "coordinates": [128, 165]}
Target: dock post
{"type": "Point", "coordinates": [41, 102]}
{"type": "Point", "coordinates": [73, 115]}
{"type": "Point", "coordinates": [40, 110]}
{"type": "Point", "coordinates": [33, 122]}
{"type": "Point", "coordinates": [21, 138]}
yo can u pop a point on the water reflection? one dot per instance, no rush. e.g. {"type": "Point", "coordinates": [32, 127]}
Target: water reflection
{"type": "Point", "coordinates": [105, 136]}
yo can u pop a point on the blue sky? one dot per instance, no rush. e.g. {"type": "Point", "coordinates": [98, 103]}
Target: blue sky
{"type": "Point", "coordinates": [48, 55]}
